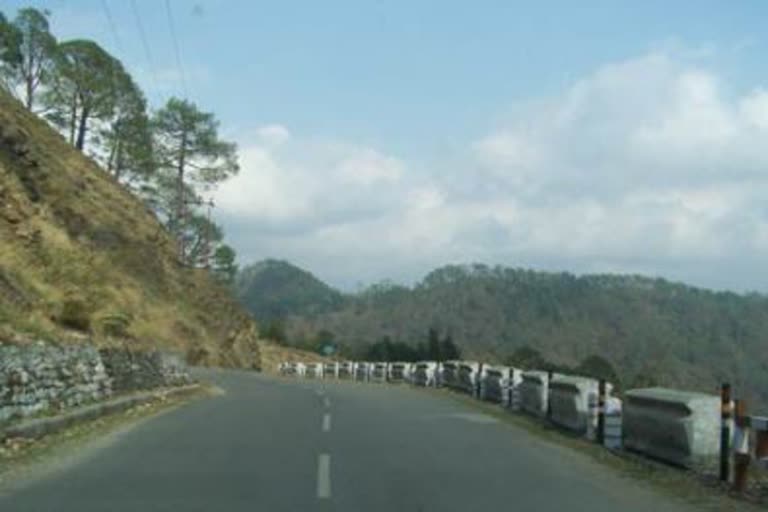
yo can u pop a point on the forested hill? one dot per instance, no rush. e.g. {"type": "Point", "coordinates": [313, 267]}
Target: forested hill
{"type": "Point", "coordinates": [650, 329]}
{"type": "Point", "coordinates": [273, 289]}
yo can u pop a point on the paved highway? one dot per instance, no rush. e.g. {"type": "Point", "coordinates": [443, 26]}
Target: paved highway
{"type": "Point", "coordinates": [279, 445]}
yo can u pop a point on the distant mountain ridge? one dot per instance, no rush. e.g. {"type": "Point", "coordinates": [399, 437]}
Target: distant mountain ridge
{"type": "Point", "coordinates": [275, 289]}
{"type": "Point", "coordinates": [649, 329]}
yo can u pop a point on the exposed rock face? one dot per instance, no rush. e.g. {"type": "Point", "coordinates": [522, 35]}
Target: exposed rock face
{"type": "Point", "coordinates": [43, 377]}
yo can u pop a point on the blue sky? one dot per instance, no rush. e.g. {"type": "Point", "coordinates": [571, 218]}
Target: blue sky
{"type": "Point", "coordinates": [410, 76]}
{"type": "Point", "coordinates": [383, 138]}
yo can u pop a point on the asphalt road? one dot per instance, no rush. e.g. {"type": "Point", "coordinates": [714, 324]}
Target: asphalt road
{"type": "Point", "coordinates": [279, 445]}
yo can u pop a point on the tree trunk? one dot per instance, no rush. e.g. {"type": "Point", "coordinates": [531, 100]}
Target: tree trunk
{"type": "Point", "coordinates": [72, 119]}
{"type": "Point", "coordinates": [29, 80]}
{"type": "Point", "coordinates": [81, 129]}
{"type": "Point", "coordinates": [30, 94]}
{"type": "Point", "coordinates": [118, 164]}
{"type": "Point", "coordinates": [181, 206]}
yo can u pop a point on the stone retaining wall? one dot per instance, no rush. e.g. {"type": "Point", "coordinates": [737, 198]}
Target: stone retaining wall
{"type": "Point", "coordinates": [43, 377]}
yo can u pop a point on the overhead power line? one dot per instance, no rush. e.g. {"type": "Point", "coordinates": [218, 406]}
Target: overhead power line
{"type": "Point", "coordinates": [179, 63]}
{"type": "Point", "coordinates": [112, 26]}
{"type": "Point", "coordinates": [147, 52]}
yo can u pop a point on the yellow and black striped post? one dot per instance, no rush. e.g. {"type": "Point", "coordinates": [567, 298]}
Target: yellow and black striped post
{"type": "Point", "coordinates": [725, 431]}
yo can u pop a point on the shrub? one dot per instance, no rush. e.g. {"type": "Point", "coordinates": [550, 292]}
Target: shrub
{"type": "Point", "coordinates": [115, 325]}
{"type": "Point", "coordinates": [75, 315]}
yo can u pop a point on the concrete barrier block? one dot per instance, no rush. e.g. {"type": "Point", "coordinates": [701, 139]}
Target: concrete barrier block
{"type": "Point", "coordinates": [363, 371]}
{"type": "Point", "coordinates": [330, 370]}
{"type": "Point", "coordinates": [314, 371]}
{"type": "Point", "coordinates": [497, 383]}
{"type": "Point", "coordinates": [346, 370]}
{"type": "Point", "coordinates": [572, 403]}
{"type": "Point", "coordinates": [612, 434]}
{"type": "Point", "coordinates": [379, 372]}
{"type": "Point", "coordinates": [293, 369]}
{"type": "Point", "coordinates": [450, 374]}
{"type": "Point", "coordinates": [468, 376]}
{"type": "Point", "coordinates": [424, 373]}
{"type": "Point", "coordinates": [534, 390]}
{"type": "Point", "coordinates": [399, 371]}
{"type": "Point", "coordinates": [679, 427]}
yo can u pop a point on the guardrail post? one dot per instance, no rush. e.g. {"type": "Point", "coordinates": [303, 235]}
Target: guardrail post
{"type": "Point", "coordinates": [549, 402]}
{"type": "Point", "coordinates": [478, 379]}
{"type": "Point", "coordinates": [761, 447]}
{"type": "Point", "coordinates": [741, 455]}
{"type": "Point", "coordinates": [601, 411]}
{"type": "Point", "coordinates": [725, 431]}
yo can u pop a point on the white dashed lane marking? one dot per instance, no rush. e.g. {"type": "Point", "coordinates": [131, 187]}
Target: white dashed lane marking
{"type": "Point", "coordinates": [326, 422]}
{"type": "Point", "coordinates": [324, 476]}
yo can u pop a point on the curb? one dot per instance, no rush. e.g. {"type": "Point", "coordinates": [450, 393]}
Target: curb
{"type": "Point", "coordinates": [39, 427]}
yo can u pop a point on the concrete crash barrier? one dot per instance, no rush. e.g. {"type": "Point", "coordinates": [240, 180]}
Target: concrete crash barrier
{"type": "Point", "coordinates": [331, 370]}
{"type": "Point", "coordinates": [497, 383]}
{"type": "Point", "coordinates": [314, 371]}
{"type": "Point", "coordinates": [293, 369]}
{"type": "Point", "coordinates": [450, 374]}
{"type": "Point", "coordinates": [424, 374]}
{"type": "Point", "coordinates": [347, 370]}
{"type": "Point", "coordinates": [679, 427]}
{"type": "Point", "coordinates": [534, 391]}
{"type": "Point", "coordinates": [379, 372]}
{"type": "Point", "coordinates": [363, 371]}
{"type": "Point", "coordinates": [572, 403]}
{"type": "Point", "coordinates": [399, 371]}
{"type": "Point", "coordinates": [469, 377]}
{"type": "Point", "coordinates": [612, 433]}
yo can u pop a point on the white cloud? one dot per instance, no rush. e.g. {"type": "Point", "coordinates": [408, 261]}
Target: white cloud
{"type": "Point", "coordinates": [295, 184]}
{"type": "Point", "coordinates": [646, 165]}
{"type": "Point", "coordinates": [273, 134]}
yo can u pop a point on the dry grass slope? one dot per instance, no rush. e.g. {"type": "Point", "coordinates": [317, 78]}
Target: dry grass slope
{"type": "Point", "coordinates": [82, 257]}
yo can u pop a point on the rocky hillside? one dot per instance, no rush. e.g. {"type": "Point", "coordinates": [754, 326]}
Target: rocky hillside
{"type": "Point", "coordinates": [81, 257]}
{"type": "Point", "coordinates": [273, 289]}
